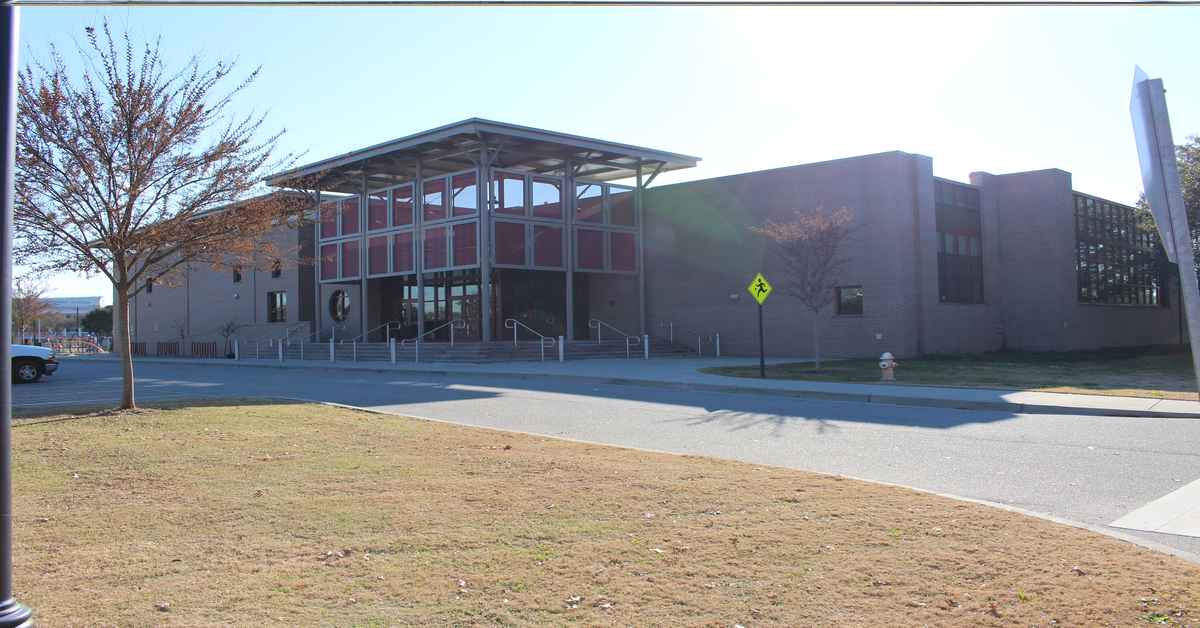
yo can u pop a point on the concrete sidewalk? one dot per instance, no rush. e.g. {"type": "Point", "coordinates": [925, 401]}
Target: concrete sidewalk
{"type": "Point", "coordinates": [683, 373]}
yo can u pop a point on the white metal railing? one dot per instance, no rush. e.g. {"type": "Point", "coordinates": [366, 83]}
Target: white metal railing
{"type": "Point", "coordinates": [287, 337]}
{"type": "Point", "coordinates": [630, 340]}
{"type": "Point", "coordinates": [543, 340]}
{"type": "Point", "coordinates": [453, 324]}
{"type": "Point", "coordinates": [387, 327]}
{"type": "Point", "coordinates": [713, 339]}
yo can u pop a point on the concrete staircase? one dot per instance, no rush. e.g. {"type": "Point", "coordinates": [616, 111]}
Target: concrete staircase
{"type": "Point", "coordinates": [477, 352]}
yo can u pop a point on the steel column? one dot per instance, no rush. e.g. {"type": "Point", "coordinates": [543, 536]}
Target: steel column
{"type": "Point", "coordinates": [316, 270]}
{"type": "Point", "coordinates": [640, 217]}
{"type": "Point", "coordinates": [484, 243]}
{"type": "Point", "coordinates": [12, 613]}
{"type": "Point", "coordinates": [568, 198]}
{"type": "Point", "coordinates": [364, 321]}
{"type": "Point", "coordinates": [419, 246]}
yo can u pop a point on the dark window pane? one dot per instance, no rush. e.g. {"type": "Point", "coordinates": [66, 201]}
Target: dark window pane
{"type": "Point", "coordinates": [350, 215]}
{"type": "Point", "coordinates": [622, 251]}
{"type": "Point", "coordinates": [547, 246]}
{"type": "Point", "coordinates": [466, 196]}
{"type": "Point", "coordinates": [329, 259]}
{"type": "Point", "coordinates": [850, 300]}
{"type": "Point", "coordinates": [510, 243]}
{"type": "Point", "coordinates": [435, 248]}
{"type": "Point", "coordinates": [547, 198]}
{"type": "Point", "coordinates": [465, 244]}
{"type": "Point", "coordinates": [509, 192]}
{"type": "Point", "coordinates": [377, 211]}
{"type": "Point", "coordinates": [589, 249]}
{"type": "Point", "coordinates": [589, 206]}
{"type": "Point", "coordinates": [402, 252]}
{"type": "Point", "coordinates": [435, 199]}
{"type": "Point", "coordinates": [350, 258]}
{"type": "Point", "coordinates": [277, 307]}
{"type": "Point", "coordinates": [377, 255]}
{"type": "Point", "coordinates": [328, 219]}
{"type": "Point", "coordinates": [402, 206]}
{"type": "Point", "coordinates": [620, 206]}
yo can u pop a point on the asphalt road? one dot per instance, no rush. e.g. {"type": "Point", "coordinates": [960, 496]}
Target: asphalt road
{"type": "Point", "coordinates": [1086, 469]}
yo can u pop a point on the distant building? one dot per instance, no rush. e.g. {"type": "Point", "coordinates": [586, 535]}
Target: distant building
{"type": "Point", "coordinates": [71, 305]}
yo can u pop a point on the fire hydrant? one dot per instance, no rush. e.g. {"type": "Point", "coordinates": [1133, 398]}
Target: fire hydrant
{"type": "Point", "coordinates": [887, 364]}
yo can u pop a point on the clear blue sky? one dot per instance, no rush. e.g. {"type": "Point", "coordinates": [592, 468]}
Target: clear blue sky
{"type": "Point", "coordinates": [994, 89]}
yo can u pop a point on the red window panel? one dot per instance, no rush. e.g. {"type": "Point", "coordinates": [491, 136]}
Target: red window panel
{"type": "Point", "coordinates": [377, 254]}
{"type": "Point", "coordinates": [329, 257]}
{"type": "Point", "coordinates": [402, 253]}
{"type": "Point", "coordinates": [589, 203]}
{"type": "Point", "coordinates": [465, 197]}
{"type": "Point", "coordinates": [547, 246]}
{"type": "Point", "coordinates": [349, 259]}
{"type": "Point", "coordinates": [328, 219]}
{"type": "Point", "coordinates": [620, 206]}
{"type": "Point", "coordinates": [547, 198]}
{"type": "Point", "coordinates": [435, 199]}
{"type": "Point", "coordinates": [465, 244]}
{"type": "Point", "coordinates": [510, 243]}
{"type": "Point", "coordinates": [589, 247]}
{"type": "Point", "coordinates": [349, 215]}
{"type": "Point", "coordinates": [377, 211]}
{"type": "Point", "coordinates": [623, 251]}
{"type": "Point", "coordinates": [509, 191]}
{"type": "Point", "coordinates": [402, 206]}
{"type": "Point", "coordinates": [435, 248]}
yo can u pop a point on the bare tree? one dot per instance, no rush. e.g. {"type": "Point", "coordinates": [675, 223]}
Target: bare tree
{"type": "Point", "coordinates": [810, 246]}
{"type": "Point", "coordinates": [134, 172]}
{"type": "Point", "coordinates": [28, 304]}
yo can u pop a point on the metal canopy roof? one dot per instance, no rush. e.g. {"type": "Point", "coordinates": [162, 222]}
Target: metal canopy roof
{"type": "Point", "coordinates": [456, 147]}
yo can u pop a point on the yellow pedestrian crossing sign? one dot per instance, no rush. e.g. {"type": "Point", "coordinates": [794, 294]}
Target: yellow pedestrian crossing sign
{"type": "Point", "coordinates": [760, 288]}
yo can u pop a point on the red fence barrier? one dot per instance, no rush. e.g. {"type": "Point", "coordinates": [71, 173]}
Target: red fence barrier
{"type": "Point", "coordinates": [137, 348]}
{"type": "Point", "coordinates": [205, 350]}
{"type": "Point", "coordinates": [167, 349]}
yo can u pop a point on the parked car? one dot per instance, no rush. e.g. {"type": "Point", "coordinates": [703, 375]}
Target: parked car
{"type": "Point", "coordinates": [30, 363]}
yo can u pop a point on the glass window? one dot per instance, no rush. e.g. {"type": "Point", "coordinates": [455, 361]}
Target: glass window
{"type": "Point", "coordinates": [377, 254]}
{"type": "Point", "coordinates": [237, 274]}
{"type": "Point", "coordinates": [620, 206]}
{"type": "Point", "coordinates": [547, 198]}
{"type": "Point", "coordinates": [350, 258]}
{"type": "Point", "coordinates": [589, 249]}
{"type": "Point", "coordinates": [465, 244]}
{"type": "Point", "coordinates": [339, 305]}
{"type": "Point", "coordinates": [377, 211]}
{"type": "Point", "coordinates": [435, 248]}
{"type": "Point", "coordinates": [589, 206]}
{"type": "Point", "coordinates": [402, 252]}
{"type": "Point", "coordinates": [402, 206]}
{"type": "Point", "coordinates": [350, 215]}
{"type": "Point", "coordinates": [849, 300]}
{"type": "Point", "coordinates": [1116, 261]}
{"type": "Point", "coordinates": [466, 196]}
{"type": "Point", "coordinates": [510, 243]}
{"type": "Point", "coordinates": [277, 307]}
{"type": "Point", "coordinates": [547, 246]}
{"type": "Point", "coordinates": [435, 199]}
{"type": "Point", "coordinates": [149, 286]}
{"type": "Point", "coordinates": [509, 192]}
{"type": "Point", "coordinates": [622, 251]}
{"type": "Point", "coordinates": [329, 219]}
{"type": "Point", "coordinates": [276, 268]}
{"type": "Point", "coordinates": [329, 257]}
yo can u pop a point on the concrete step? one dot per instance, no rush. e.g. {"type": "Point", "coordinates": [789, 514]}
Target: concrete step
{"type": "Point", "coordinates": [495, 351]}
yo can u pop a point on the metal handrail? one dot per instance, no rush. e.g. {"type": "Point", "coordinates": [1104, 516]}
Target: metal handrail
{"type": "Point", "coordinates": [456, 323]}
{"type": "Point", "coordinates": [713, 338]}
{"type": "Point", "coordinates": [597, 324]}
{"type": "Point", "coordinates": [287, 338]}
{"type": "Point", "coordinates": [513, 324]}
{"type": "Point", "coordinates": [387, 326]}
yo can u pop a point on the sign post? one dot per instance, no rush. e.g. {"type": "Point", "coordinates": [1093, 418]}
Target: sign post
{"type": "Point", "coordinates": [760, 289]}
{"type": "Point", "coordinates": [1160, 182]}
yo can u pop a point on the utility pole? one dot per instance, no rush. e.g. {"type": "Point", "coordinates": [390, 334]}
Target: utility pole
{"type": "Point", "coordinates": [12, 613]}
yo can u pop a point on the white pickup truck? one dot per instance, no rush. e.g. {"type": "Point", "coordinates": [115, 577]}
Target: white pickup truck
{"type": "Point", "coordinates": [30, 363]}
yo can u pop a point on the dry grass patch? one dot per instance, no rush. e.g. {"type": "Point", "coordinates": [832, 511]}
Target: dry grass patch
{"type": "Point", "coordinates": [1136, 372]}
{"type": "Point", "coordinates": [304, 514]}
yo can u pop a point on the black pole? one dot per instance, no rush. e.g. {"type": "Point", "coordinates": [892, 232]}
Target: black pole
{"type": "Point", "coordinates": [762, 355]}
{"type": "Point", "coordinates": [12, 613]}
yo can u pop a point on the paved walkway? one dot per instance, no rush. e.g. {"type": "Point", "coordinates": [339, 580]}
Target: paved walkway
{"type": "Point", "coordinates": [684, 373]}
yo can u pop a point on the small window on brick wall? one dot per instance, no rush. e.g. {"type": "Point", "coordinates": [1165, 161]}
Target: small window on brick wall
{"type": "Point", "coordinates": [849, 300]}
{"type": "Point", "coordinates": [277, 307]}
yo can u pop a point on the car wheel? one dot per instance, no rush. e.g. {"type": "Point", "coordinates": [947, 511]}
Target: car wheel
{"type": "Point", "coordinates": [26, 371]}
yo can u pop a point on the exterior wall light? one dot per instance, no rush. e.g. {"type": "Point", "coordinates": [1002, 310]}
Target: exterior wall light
{"type": "Point", "coordinates": [734, 296]}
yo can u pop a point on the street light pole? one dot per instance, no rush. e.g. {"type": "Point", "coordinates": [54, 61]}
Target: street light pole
{"type": "Point", "coordinates": [12, 613]}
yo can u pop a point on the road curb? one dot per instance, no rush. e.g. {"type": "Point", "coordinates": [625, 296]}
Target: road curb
{"type": "Point", "coordinates": [812, 395]}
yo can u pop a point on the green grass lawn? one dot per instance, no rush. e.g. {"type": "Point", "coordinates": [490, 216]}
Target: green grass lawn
{"type": "Point", "coordinates": [1124, 372]}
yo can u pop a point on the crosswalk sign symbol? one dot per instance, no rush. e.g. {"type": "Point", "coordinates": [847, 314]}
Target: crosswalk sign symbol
{"type": "Point", "coordinates": [760, 288]}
